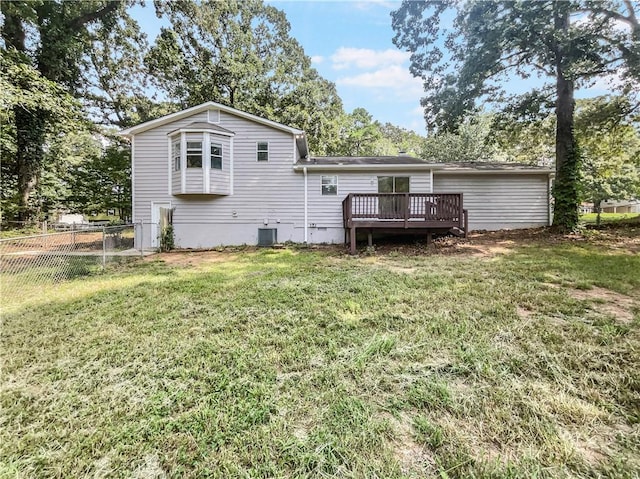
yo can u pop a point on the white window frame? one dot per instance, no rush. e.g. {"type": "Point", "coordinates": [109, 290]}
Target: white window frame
{"type": "Point", "coordinates": [333, 181]}
{"type": "Point", "coordinates": [176, 160]}
{"type": "Point", "coordinates": [258, 151]}
{"type": "Point", "coordinates": [189, 140]}
{"type": "Point", "coordinates": [212, 156]}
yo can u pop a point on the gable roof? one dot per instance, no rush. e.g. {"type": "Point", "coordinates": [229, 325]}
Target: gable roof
{"type": "Point", "coordinates": [210, 105]}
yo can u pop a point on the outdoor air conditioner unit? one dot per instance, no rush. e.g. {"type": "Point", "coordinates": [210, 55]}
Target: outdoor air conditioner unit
{"type": "Point", "coordinates": [267, 236]}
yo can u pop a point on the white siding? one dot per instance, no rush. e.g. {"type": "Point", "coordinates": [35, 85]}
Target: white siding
{"type": "Point", "coordinates": [499, 201]}
{"type": "Point", "coordinates": [220, 179]}
{"type": "Point", "coordinates": [263, 191]}
{"type": "Point", "coordinates": [325, 212]}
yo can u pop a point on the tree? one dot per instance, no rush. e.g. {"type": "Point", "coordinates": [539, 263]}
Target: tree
{"type": "Point", "coordinates": [241, 54]}
{"type": "Point", "coordinates": [50, 39]}
{"type": "Point", "coordinates": [23, 90]}
{"type": "Point", "coordinates": [472, 141]}
{"type": "Point", "coordinates": [359, 134]}
{"type": "Point", "coordinates": [104, 181]}
{"type": "Point", "coordinates": [610, 146]}
{"type": "Point", "coordinates": [397, 140]}
{"type": "Point", "coordinates": [569, 42]}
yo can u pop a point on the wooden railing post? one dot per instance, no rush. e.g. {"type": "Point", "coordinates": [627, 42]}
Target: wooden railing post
{"type": "Point", "coordinates": [461, 213]}
{"type": "Point", "coordinates": [406, 210]}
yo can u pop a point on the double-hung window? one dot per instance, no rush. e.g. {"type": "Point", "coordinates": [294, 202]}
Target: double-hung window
{"type": "Point", "coordinates": [175, 154]}
{"type": "Point", "coordinates": [216, 156]}
{"type": "Point", "coordinates": [194, 154]}
{"type": "Point", "coordinates": [329, 185]}
{"type": "Point", "coordinates": [263, 151]}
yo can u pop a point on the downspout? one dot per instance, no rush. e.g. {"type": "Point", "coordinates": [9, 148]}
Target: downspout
{"type": "Point", "coordinates": [306, 209]}
{"type": "Point", "coordinates": [549, 202]}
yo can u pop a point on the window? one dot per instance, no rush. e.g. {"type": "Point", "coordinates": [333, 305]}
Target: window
{"type": "Point", "coordinates": [263, 151]}
{"type": "Point", "coordinates": [194, 154]}
{"type": "Point", "coordinates": [329, 185]}
{"type": "Point", "coordinates": [175, 154]}
{"type": "Point", "coordinates": [216, 156]}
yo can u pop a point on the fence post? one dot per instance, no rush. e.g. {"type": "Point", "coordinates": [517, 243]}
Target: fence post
{"type": "Point", "coordinates": [104, 247]}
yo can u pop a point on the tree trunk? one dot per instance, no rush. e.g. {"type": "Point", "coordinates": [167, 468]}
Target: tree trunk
{"type": "Point", "coordinates": [597, 207]}
{"type": "Point", "coordinates": [565, 191]}
{"type": "Point", "coordinates": [30, 136]}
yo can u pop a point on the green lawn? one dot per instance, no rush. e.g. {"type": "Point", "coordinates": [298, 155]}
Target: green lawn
{"type": "Point", "coordinates": [515, 360]}
{"type": "Point", "coordinates": [591, 218]}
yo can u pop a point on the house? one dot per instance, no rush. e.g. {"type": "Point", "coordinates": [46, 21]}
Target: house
{"type": "Point", "coordinates": [234, 178]}
{"type": "Point", "coordinates": [623, 206]}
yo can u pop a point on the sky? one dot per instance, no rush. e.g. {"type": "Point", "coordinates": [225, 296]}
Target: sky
{"type": "Point", "coordinates": [350, 43]}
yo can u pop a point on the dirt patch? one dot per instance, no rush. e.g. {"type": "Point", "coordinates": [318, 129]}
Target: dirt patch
{"type": "Point", "coordinates": [412, 457]}
{"type": "Point", "coordinates": [478, 244]}
{"type": "Point", "coordinates": [193, 258]}
{"type": "Point", "coordinates": [151, 469]}
{"type": "Point", "coordinates": [523, 313]}
{"type": "Point", "coordinates": [607, 302]}
{"type": "Point", "coordinates": [400, 269]}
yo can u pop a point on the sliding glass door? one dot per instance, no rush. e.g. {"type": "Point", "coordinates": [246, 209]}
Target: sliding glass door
{"type": "Point", "coordinates": [390, 207]}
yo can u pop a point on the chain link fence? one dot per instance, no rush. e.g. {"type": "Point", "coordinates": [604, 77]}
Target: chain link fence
{"type": "Point", "coordinates": [27, 262]}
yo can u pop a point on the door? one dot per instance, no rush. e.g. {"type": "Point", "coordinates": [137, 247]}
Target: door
{"type": "Point", "coordinates": [155, 221]}
{"type": "Point", "coordinates": [390, 207]}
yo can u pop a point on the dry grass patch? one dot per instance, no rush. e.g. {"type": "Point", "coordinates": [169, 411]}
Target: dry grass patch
{"type": "Point", "coordinates": [604, 301]}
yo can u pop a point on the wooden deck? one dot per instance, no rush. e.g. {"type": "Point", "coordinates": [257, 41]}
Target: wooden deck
{"type": "Point", "coordinates": [433, 212]}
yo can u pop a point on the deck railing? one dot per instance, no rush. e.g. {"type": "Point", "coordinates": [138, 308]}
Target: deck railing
{"type": "Point", "coordinates": [405, 207]}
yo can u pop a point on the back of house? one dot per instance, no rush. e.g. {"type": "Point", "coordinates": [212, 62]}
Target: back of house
{"type": "Point", "coordinates": [233, 178]}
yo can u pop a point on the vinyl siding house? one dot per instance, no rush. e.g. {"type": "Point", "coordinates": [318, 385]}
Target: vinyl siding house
{"type": "Point", "coordinates": [233, 178]}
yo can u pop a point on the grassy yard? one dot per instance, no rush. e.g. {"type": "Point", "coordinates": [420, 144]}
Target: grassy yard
{"type": "Point", "coordinates": [503, 356]}
{"type": "Point", "coordinates": [591, 218]}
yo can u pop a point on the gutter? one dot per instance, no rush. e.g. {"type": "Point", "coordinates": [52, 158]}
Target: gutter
{"type": "Point", "coordinates": [434, 167]}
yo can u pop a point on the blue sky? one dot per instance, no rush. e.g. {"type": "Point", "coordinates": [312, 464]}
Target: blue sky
{"type": "Point", "coordinates": [350, 44]}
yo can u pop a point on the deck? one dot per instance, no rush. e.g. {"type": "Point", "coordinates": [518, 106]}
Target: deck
{"type": "Point", "coordinates": [432, 212]}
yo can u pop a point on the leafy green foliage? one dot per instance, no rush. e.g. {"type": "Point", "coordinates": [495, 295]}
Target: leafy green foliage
{"type": "Point", "coordinates": [51, 38]}
{"type": "Point", "coordinates": [167, 239]}
{"type": "Point", "coordinates": [241, 54]}
{"type": "Point", "coordinates": [23, 90]}
{"type": "Point", "coordinates": [610, 146]}
{"type": "Point", "coordinates": [609, 141]}
{"type": "Point", "coordinates": [103, 181]}
{"type": "Point", "coordinates": [472, 141]}
{"type": "Point", "coordinates": [361, 135]}
{"type": "Point", "coordinates": [568, 43]}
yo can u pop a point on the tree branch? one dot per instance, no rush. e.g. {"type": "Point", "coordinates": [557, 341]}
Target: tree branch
{"type": "Point", "coordinates": [89, 17]}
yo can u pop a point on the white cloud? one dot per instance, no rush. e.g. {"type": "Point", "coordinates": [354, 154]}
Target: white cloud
{"type": "Point", "coordinates": [376, 3]}
{"type": "Point", "coordinates": [365, 58]}
{"type": "Point", "coordinates": [394, 77]}
{"type": "Point", "coordinates": [317, 59]}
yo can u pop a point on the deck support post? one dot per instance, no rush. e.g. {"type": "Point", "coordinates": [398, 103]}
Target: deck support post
{"type": "Point", "coordinates": [352, 239]}
{"type": "Point", "coordinates": [370, 238]}
{"type": "Point", "coordinates": [429, 238]}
